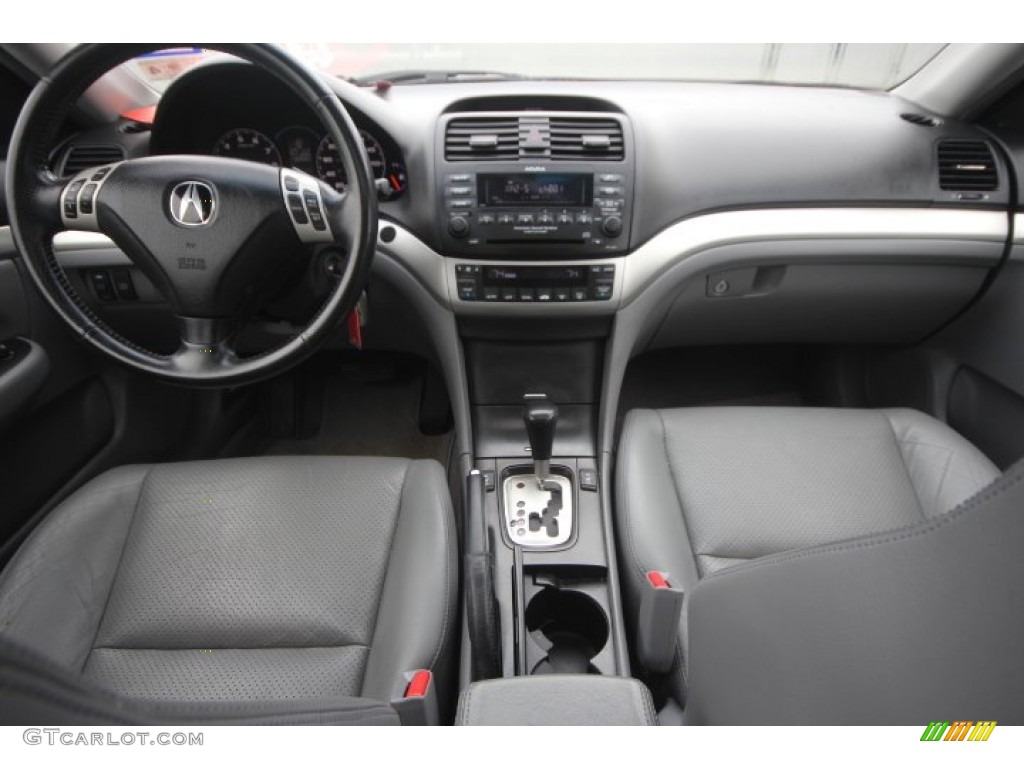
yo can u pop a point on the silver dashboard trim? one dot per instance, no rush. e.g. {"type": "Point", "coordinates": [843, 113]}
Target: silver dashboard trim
{"type": "Point", "coordinates": [671, 246]}
{"type": "Point", "coordinates": [703, 233]}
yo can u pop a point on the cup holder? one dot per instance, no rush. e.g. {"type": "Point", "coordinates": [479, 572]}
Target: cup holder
{"type": "Point", "coordinates": [570, 626]}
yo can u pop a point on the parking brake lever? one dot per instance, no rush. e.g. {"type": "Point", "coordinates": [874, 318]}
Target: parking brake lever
{"type": "Point", "coordinates": [541, 418]}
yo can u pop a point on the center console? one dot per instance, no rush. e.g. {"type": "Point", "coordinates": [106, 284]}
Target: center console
{"type": "Point", "coordinates": [534, 215]}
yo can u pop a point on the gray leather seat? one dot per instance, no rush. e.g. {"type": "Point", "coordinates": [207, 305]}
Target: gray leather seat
{"type": "Point", "coordinates": [714, 495]}
{"type": "Point", "coordinates": [244, 580]}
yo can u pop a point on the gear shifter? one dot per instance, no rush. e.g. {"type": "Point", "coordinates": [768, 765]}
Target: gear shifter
{"type": "Point", "coordinates": [541, 418]}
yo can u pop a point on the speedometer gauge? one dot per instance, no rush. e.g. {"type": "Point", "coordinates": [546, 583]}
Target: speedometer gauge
{"type": "Point", "coordinates": [330, 169]}
{"type": "Point", "coordinates": [247, 144]}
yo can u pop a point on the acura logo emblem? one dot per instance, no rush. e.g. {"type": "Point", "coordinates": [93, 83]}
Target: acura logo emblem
{"type": "Point", "coordinates": [192, 203]}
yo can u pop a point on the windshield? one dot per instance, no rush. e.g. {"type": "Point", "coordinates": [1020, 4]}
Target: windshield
{"type": "Point", "coordinates": [859, 65]}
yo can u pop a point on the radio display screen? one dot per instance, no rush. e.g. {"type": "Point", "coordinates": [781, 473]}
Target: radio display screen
{"type": "Point", "coordinates": [535, 189]}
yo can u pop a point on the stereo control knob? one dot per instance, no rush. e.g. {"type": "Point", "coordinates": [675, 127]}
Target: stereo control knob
{"type": "Point", "coordinates": [458, 226]}
{"type": "Point", "coordinates": [612, 226]}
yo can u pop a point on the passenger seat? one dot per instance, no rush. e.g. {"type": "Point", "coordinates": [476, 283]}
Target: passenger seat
{"type": "Point", "coordinates": [828, 578]}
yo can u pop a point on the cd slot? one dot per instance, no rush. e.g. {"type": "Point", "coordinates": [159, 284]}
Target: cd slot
{"type": "Point", "coordinates": [533, 240]}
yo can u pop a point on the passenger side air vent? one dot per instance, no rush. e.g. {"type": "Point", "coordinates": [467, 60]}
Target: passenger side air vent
{"type": "Point", "coordinates": [585, 138]}
{"type": "Point", "coordinates": [82, 156]}
{"type": "Point", "coordinates": [966, 165]}
{"type": "Point", "coordinates": [484, 138]}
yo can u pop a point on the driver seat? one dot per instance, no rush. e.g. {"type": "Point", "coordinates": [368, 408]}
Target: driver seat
{"type": "Point", "coordinates": [238, 586]}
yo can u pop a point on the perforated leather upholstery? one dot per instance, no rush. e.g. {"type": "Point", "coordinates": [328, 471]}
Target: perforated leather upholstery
{"type": "Point", "coordinates": [244, 580]}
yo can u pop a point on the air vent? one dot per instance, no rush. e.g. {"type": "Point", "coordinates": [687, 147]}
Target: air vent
{"type": "Point", "coordinates": [533, 137]}
{"type": "Point", "coordinates": [966, 165]}
{"type": "Point", "coordinates": [918, 119]}
{"type": "Point", "coordinates": [578, 138]}
{"type": "Point", "coordinates": [82, 156]}
{"type": "Point", "coordinates": [485, 138]}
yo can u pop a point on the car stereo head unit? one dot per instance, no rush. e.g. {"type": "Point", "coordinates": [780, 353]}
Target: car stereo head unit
{"type": "Point", "coordinates": [536, 207]}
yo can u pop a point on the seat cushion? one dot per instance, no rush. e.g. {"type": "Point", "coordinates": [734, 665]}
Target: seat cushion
{"type": "Point", "coordinates": [243, 580]}
{"type": "Point", "coordinates": [702, 489]}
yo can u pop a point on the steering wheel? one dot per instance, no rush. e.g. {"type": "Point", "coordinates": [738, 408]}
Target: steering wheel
{"type": "Point", "coordinates": [210, 233]}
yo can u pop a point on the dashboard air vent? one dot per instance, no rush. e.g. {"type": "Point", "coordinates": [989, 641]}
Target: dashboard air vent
{"type": "Point", "coordinates": [82, 156]}
{"type": "Point", "coordinates": [579, 138]}
{"type": "Point", "coordinates": [484, 138]}
{"type": "Point", "coordinates": [928, 121]}
{"type": "Point", "coordinates": [966, 165]}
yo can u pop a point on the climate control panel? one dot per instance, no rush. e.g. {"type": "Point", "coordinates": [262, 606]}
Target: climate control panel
{"type": "Point", "coordinates": [516, 284]}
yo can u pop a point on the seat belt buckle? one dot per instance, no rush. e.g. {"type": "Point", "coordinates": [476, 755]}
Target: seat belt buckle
{"type": "Point", "coordinates": [414, 698]}
{"type": "Point", "coordinates": [661, 605]}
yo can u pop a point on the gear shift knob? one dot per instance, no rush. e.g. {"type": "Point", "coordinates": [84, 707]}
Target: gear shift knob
{"type": "Point", "coordinates": [541, 418]}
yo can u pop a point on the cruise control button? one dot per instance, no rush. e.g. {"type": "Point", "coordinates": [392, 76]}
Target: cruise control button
{"type": "Point", "coordinates": [291, 183]}
{"type": "Point", "coordinates": [100, 174]}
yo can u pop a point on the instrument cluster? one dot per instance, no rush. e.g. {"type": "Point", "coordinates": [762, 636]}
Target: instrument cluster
{"type": "Point", "coordinates": [306, 150]}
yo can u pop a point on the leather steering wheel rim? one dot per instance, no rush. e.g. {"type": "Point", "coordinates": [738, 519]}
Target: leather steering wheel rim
{"type": "Point", "coordinates": [34, 195]}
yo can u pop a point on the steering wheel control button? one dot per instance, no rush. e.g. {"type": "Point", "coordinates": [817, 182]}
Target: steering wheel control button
{"type": "Point", "coordinates": [313, 209]}
{"type": "Point", "coordinates": [304, 201]}
{"type": "Point", "coordinates": [71, 198]}
{"type": "Point", "coordinates": [297, 209]}
{"type": "Point", "coordinates": [85, 200]}
{"type": "Point", "coordinates": [100, 174]}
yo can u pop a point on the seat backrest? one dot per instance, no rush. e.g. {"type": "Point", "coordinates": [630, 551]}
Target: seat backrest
{"type": "Point", "coordinates": [906, 627]}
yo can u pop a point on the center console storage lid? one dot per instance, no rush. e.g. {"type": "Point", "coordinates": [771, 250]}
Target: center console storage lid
{"type": "Point", "coordinates": [557, 700]}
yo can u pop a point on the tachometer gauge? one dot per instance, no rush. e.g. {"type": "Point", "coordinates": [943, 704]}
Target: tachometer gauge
{"type": "Point", "coordinates": [247, 144]}
{"type": "Point", "coordinates": [298, 147]}
{"type": "Point", "coordinates": [330, 169]}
